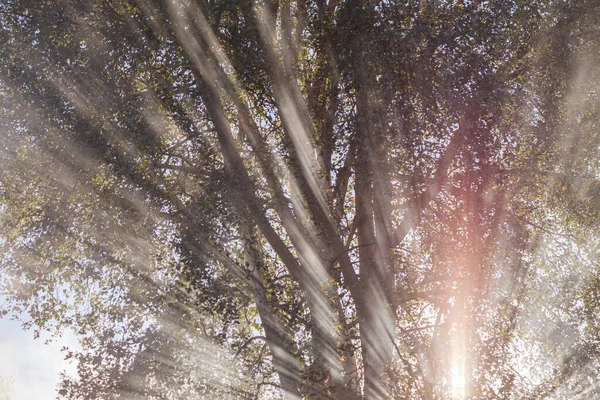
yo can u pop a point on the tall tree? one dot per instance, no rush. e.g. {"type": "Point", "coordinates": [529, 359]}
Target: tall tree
{"type": "Point", "coordinates": [308, 199]}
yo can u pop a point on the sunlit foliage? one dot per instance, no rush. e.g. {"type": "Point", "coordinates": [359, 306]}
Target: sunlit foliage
{"type": "Point", "coordinates": [305, 199]}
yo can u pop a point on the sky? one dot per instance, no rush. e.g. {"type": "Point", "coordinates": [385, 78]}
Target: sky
{"type": "Point", "coordinates": [30, 366]}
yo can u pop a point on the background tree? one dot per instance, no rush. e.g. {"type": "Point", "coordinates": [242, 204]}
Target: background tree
{"type": "Point", "coordinates": [357, 200]}
{"type": "Point", "coordinates": [6, 386]}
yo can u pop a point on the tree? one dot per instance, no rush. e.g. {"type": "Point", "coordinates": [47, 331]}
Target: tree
{"type": "Point", "coordinates": [347, 200]}
{"type": "Point", "coordinates": [6, 386]}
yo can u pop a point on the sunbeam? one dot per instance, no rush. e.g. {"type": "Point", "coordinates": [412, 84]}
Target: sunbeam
{"type": "Point", "coordinates": [304, 199]}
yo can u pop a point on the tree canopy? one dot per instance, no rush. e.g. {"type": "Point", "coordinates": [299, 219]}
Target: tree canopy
{"type": "Point", "coordinates": [306, 199]}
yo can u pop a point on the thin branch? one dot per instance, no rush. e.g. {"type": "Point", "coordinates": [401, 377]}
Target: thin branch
{"type": "Point", "coordinates": [247, 343]}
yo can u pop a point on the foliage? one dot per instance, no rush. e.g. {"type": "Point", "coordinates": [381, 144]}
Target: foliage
{"type": "Point", "coordinates": [308, 199]}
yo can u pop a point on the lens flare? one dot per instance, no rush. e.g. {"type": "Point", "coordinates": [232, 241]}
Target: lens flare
{"type": "Point", "coordinates": [457, 379]}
